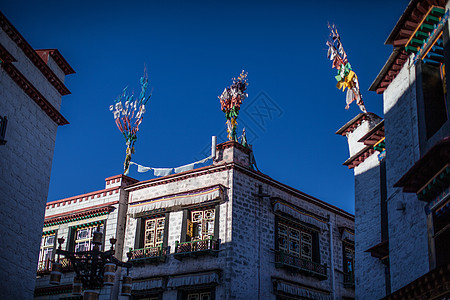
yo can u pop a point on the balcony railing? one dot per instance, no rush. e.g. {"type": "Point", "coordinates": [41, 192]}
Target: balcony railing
{"type": "Point", "coordinates": [45, 267]}
{"type": "Point", "coordinates": [150, 254]}
{"type": "Point", "coordinates": [349, 280]}
{"type": "Point", "coordinates": [286, 260]}
{"type": "Point", "coordinates": [196, 248]}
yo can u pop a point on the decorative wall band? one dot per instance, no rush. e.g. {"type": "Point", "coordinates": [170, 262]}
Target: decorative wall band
{"type": "Point", "coordinates": [78, 217]}
{"type": "Point", "coordinates": [49, 232]}
{"type": "Point", "coordinates": [14, 35]}
{"type": "Point", "coordinates": [34, 94]}
{"type": "Point", "coordinates": [90, 224]}
{"type": "Point", "coordinates": [5, 56]}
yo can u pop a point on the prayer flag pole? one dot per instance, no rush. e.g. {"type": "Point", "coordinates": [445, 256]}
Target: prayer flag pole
{"type": "Point", "coordinates": [128, 116]}
{"type": "Point", "coordinates": [346, 77]}
{"type": "Point", "coordinates": [231, 100]}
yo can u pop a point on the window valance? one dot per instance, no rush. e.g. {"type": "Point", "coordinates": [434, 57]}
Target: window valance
{"type": "Point", "coordinates": [347, 235]}
{"type": "Point", "coordinates": [193, 279]}
{"type": "Point", "coordinates": [181, 199]}
{"type": "Point", "coordinates": [147, 284]}
{"type": "Point", "coordinates": [302, 216]}
{"type": "Point", "coordinates": [297, 290]}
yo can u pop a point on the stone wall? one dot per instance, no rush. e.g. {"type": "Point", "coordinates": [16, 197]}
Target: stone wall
{"type": "Point", "coordinates": [25, 167]}
{"type": "Point", "coordinates": [188, 265]}
{"type": "Point", "coordinates": [246, 230]}
{"type": "Point", "coordinates": [370, 272]}
{"type": "Point", "coordinates": [408, 243]}
{"type": "Point", "coordinates": [254, 230]}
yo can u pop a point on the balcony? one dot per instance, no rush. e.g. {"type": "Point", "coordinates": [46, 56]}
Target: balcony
{"type": "Point", "coordinates": [196, 248]}
{"type": "Point", "coordinates": [349, 280]}
{"type": "Point", "coordinates": [285, 260]}
{"type": "Point", "coordinates": [45, 267]}
{"type": "Point", "coordinates": [149, 255]}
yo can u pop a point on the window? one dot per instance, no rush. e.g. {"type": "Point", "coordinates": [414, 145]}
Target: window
{"type": "Point", "coordinates": [295, 242]}
{"type": "Point", "coordinates": [47, 251]}
{"type": "Point", "coordinates": [349, 263]}
{"type": "Point", "coordinates": [441, 224]}
{"type": "Point", "coordinates": [151, 241]}
{"type": "Point", "coordinates": [297, 248]}
{"type": "Point", "coordinates": [84, 236]}
{"type": "Point", "coordinates": [199, 296]}
{"type": "Point", "coordinates": [433, 98]}
{"type": "Point", "coordinates": [154, 232]}
{"type": "Point", "coordinates": [201, 224]}
{"type": "Point", "coordinates": [199, 233]}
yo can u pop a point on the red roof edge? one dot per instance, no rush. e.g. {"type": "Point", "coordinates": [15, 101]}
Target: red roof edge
{"type": "Point", "coordinates": [351, 125]}
{"type": "Point", "coordinates": [58, 58]}
{"type": "Point", "coordinates": [15, 36]}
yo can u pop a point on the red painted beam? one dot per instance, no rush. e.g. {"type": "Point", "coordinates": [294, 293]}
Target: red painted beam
{"type": "Point", "coordinates": [422, 7]}
{"type": "Point", "coordinates": [380, 90]}
{"type": "Point", "coordinates": [411, 25]}
{"type": "Point", "coordinates": [396, 67]}
{"type": "Point", "coordinates": [401, 42]}
{"type": "Point", "coordinates": [384, 84]}
{"type": "Point", "coordinates": [405, 33]}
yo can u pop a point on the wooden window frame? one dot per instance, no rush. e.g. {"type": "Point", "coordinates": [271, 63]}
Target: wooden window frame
{"type": "Point", "coordinates": [43, 247]}
{"type": "Point", "coordinates": [302, 232]}
{"type": "Point", "coordinates": [89, 239]}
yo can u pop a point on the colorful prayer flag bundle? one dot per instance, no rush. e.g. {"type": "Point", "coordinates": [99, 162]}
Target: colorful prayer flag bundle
{"type": "Point", "coordinates": [128, 116]}
{"type": "Point", "coordinates": [231, 100]}
{"type": "Point", "coordinates": [345, 77]}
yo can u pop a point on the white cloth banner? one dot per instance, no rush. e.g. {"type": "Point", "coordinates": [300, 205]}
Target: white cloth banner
{"type": "Point", "coordinates": [301, 291]}
{"type": "Point", "coordinates": [194, 279]}
{"type": "Point", "coordinates": [166, 171]}
{"type": "Point", "coordinates": [142, 169]}
{"type": "Point", "coordinates": [304, 217]}
{"type": "Point", "coordinates": [162, 171]}
{"type": "Point", "coordinates": [184, 168]}
{"type": "Point", "coordinates": [181, 199]}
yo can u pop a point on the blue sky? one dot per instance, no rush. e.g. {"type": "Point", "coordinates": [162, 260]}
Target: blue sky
{"type": "Point", "coordinates": [192, 50]}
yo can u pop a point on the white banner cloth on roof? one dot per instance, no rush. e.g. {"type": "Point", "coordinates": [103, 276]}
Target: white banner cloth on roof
{"type": "Point", "coordinates": [167, 171]}
{"type": "Point", "coordinates": [302, 216]}
{"type": "Point", "coordinates": [162, 171]}
{"type": "Point", "coordinates": [180, 199]}
{"type": "Point", "coordinates": [147, 284]}
{"type": "Point", "coordinates": [184, 168]}
{"type": "Point", "coordinates": [194, 279]}
{"type": "Point", "coordinates": [142, 169]}
{"type": "Point", "coordinates": [301, 291]}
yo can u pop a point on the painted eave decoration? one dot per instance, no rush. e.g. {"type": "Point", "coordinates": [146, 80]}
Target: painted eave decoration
{"type": "Point", "coordinates": [417, 33]}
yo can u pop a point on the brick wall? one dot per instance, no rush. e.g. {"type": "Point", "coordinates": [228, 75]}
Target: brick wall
{"type": "Point", "coordinates": [408, 241]}
{"type": "Point", "coordinates": [25, 166]}
{"type": "Point", "coordinates": [370, 272]}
